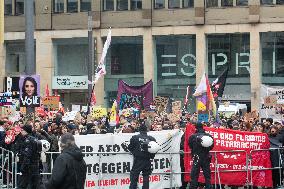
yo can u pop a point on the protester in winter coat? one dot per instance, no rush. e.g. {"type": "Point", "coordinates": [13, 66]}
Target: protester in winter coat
{"type": "Point", "coordinates": [70, 169]}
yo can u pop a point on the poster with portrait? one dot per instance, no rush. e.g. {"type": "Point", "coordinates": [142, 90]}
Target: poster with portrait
{"type": "Point", "coordinates": [29, 91]}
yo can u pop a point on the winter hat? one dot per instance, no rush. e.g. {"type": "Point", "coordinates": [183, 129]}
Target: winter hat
{"type": "Point", "coordinates": [27, 128]}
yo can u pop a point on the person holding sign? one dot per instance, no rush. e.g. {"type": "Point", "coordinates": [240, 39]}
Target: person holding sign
{"type": "Point", "coordinates": [142, 157]}
{"type": "Point", "coordinates": [200, 144]}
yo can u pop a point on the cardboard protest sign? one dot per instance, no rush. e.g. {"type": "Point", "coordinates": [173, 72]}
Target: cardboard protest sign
{"type": "Point", "coordinates": [51, 102]}
{"type": "Point", "coordinates": [29, 91]}
{"type": "Point", "coordinates": [161, 103]}
{"type": "Point", "coordinates": [6, 111]}
{"type": "Point", "coordinates": [98, 112]}
{"type": "Point", "coordinates": [271, 102]}
{"type": "Point", "coordinates": [69, 116]}
{"type": "Point", "coordinates": [76, 107]}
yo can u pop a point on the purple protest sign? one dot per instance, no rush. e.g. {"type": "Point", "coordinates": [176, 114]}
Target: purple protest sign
{"type": "Point", "coordinates": [29, 91]}
{"type": "Point", "coordinates": [139, 97]}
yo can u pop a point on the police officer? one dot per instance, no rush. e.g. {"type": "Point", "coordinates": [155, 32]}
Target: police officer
{"type": "Point", "coordinates": [142, 158]}
{"type": "Point", "coordinates": [200, 157]}
{"type": "Point", "coordinates": [29, 156]}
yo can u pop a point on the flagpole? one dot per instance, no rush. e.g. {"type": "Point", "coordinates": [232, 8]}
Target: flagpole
{"type": "Point", "coordinates": [90, 58]}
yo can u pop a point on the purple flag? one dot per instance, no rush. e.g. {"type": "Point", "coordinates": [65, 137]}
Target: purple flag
{"type": "Point", "coordinates": [139, 97]}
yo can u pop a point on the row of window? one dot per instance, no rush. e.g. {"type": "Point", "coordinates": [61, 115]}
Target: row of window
{"type": "Point", "coordinates": [176, 56]}
{"type": "Point", "coordinates": [16, 7]}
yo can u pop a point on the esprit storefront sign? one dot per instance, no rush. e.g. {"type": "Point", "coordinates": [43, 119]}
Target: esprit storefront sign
{"type": "Point", "coordinates": [70, 82]}
{"type": "Point", "coordinates": [189, 69]}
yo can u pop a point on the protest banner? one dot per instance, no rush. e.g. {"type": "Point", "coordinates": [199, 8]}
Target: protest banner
{"type": "Point", "coordinates": [161, 103]}
{"type": "Point", "coordinates": [98, 112]}
{"type": "Point", "coordinates": [29, 91]}
{"type": "Point", "coordinates": [138, 97]}
{"type": "Point", "coordinates": [271, 102]}
{"type": "Point", "coordinates": [6, 99]}
{"type": "Point", "coordinates": [112, 170]}
{"type": "Point", "coordinates": [232, 165]}
{"type": "Point", "coordinates": [69, 116]}
{"type": "Point", "coordinates": [51, 102]}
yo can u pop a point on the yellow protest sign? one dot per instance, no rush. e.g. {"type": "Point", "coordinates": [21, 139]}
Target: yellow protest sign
{"type": "Point", "coordinates": [99, 112]}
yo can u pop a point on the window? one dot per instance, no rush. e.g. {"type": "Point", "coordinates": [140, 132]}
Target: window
{"type": "Point", "coordinates": [242, 2]}
{"type": "Point", "coordinates": [227, 3]}
{"type": "Point", "coordinates": [280, 2]}
{"type": "Point", "coordinates": [211, 3]}
{"type": "Point", "coordinates": [174, 4]}
{"type": "Point", "coordinates": [72, 59]}
{"type": "Point", "coordinates": [272, 54]}
{"type": "Point", "coordinates": [8, 7]}
{"type": "Point", "coordinates": [15, 57]}
{"type": "Point", "coordinates": [20, 7]}
{"type": "Point", "coordinates": [267, 2]}
{"type": "Point", "coordinates": [228, 50]}
{"type": "Point", "coordinates": [125, 56]}
{"type": "Point", "coordinates": [58, 6]}
{"type": "Point", "coordinates": [136, 4]}
{"type": "Point", "coordinates": [108, 5]}
{"type": "Point", "coordinates": [187, 3]}
{"type": "Point", "coordinates": [122, 5]}
{"type": "Point", "coordinates": [159, 4]}
{"type": "Point", "coordinates": [176, 66]}
{"type": "Point", "coordinates": [85, 5]}
{"type": "Point", "coordinates": [72, 5]}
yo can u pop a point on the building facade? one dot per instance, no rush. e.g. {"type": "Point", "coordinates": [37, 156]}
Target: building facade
{"type": "Point", "coordinates": [172, 42]}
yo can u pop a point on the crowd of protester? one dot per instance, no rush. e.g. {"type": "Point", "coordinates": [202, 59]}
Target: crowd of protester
{"type": "Point", "coordinates": [50, 129]}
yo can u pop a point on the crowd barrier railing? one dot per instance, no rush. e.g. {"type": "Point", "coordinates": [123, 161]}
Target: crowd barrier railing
{"type": "Point", "coordinates": [8, 168]}
{"type": "Point", "coordinates": [280, 153]}
{"type": "Point", "coordinates": [9, 165]}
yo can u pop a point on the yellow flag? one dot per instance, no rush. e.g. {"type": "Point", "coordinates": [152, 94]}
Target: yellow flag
{"type": "Point", "coordinates": [1, 21]}
{"type": "Point", "coordinates": [113, 114]}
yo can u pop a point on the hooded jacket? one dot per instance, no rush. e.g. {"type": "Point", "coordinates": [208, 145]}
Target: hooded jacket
{"type": "Point", "coordinates": [69, 170]}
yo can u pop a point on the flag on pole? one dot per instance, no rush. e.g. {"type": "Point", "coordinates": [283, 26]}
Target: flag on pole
{"type": "Point", "coordinates": [201, 88]}
{"type": "Point", "coordinates": [101, 70]}
{"type": "Point", "coordinates": [1, 21]}
{"type": "Point", "coordinates": [93, 98]}
{"type": "Point", "coordinates": [113, 114]}
{"type": "Point", "coordinates": [211, 101]}
{"type": "Point", "coordinates": [186, 96]}
{"type": "Point", "coordinates": [218, 85]}
{"type": "Point", "coordinates": [46, 90]}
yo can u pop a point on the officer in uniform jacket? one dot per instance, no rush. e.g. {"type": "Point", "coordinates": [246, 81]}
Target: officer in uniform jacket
{"type": "Point", "coordinates": [142, 158]}
{"type": "Point", "coordinates": [29, 155]}
{"type": "Point", "coordinates": [201, 157]}
{"type": "Point", "coordinates": [69, 171]}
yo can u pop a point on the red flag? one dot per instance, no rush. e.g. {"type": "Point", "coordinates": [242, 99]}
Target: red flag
{"type": "Point", "coordinates": [93, 98]}
{"type": "Point", "coordinates": [46, 90]}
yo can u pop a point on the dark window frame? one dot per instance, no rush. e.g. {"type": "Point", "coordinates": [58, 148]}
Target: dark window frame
{"type": "Point", "coordinates": [160, 7]}
{"type": "Point", "coordinates": [72, 9]}
{"type": "Point", "coordinates": [17, 11]}
{"type": "Point", "coordinates": [60, 9]}
{"type": "Point", "coordinates": [9, 8]}
{"type": "Point", "coordinates": [105, 3]}
{"type": "Point", "coordinates": [89, 7]}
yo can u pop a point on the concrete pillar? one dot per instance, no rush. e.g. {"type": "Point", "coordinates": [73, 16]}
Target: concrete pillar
{"type": "Point", "coordinates": [44, 60]}
{"type": "Point", "coordinates": [148, 58]}
{"type": "Point", "coordinates": [200, 55]}
{"type": "Point", "coordinates": [2, 65]}
{"type": "Point", "coordinates": [255, 68]}
{"type": "Point", "coordinates": [100, 85]}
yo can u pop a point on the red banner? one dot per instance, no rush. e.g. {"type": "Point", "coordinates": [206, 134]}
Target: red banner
{"type": "Point", "coordinates": [234, 163]}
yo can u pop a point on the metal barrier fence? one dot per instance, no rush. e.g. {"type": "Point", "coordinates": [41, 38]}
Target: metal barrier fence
{"type": "Point", "coordinates": [9, 172]}
{"type": "Point", "coordinates": [8, 169]}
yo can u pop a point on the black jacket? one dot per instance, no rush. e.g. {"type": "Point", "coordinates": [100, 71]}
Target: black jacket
{"type": "Point", "coordinates": [138, 146]}
{"type": "Point", "coordinates": [69, 170]}
{"type": "Point", "coordinates": [194, 143]}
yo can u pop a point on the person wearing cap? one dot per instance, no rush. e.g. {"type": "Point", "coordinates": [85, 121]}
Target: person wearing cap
{"type": "Point", "coordinates": [200, 156]}
{"type": "Point", "coordinates": [29, 156]}
{"type": "Point", "coordinates": [69, 171]}
{"type": "Point", "coordinates": [142, 158]}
